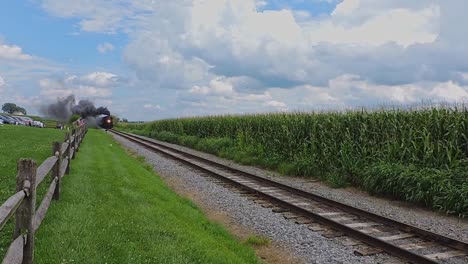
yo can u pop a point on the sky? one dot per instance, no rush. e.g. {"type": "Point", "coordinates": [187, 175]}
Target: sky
{"type": "Point", "coordinates": [157, 59]}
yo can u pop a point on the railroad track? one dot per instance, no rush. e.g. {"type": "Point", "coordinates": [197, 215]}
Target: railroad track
{"type": "Point", "coordinates": [329, 217]}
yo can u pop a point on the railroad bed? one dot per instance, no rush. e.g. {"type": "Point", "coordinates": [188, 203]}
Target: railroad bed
{"type": "Point", "coordinates": [331, 219]}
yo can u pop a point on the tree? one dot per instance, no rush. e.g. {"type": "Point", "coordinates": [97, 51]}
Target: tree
{"type": "Point", "coordinates": [73, 118]}
{"type": "Point", "coordinates": [11, 108]}
{"type": "Point", "coordinates": [115, 119]}
{"type": "Point", "coordinates": [125, 120]}
{"type": "Point", "coordinates": [21, 110]}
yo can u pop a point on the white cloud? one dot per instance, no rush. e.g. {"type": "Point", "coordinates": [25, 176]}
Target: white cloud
{"type": "Point", "coordinates": [152, 107]}
{"type": "Point", "coordinates": [12, 52]}
{"type": "Point", "coordinates": [450, 92]}
{"type": "Point", "coordinates": [2, 82]}
{"type": "Point", "coordinates": [277, 105]}
{"type": "Point", "coordinates": [102, 16]}
{"type": "Point", "coordinates": [105, 47]}
{"type": "Point", "coordinates": [217, 86]}
{"type": "Point", "coordinates": [81, 91]}
{"type": "Point", "coordinates": [100, 79]}
{"type": "Point", "coordinates": [402, 26]}
{"type": "Point", "coordinates": [186, 37]}
{"type": "Point", "coordinates": [260, 3]}
{"type": "Point", "coordinates": [342, 92]}
{"type": "Point", "coordinates": [53, 89]}
{"type": "Point", "coordinates": [226, 55]}
{"type": "Point", "coordinates": [346, 8]}
{"type": "Point", "coordinates": [352, 91]}
{"type": "Point", "coordinates": [192, 42]}
{"type": "Point", "coordinates": [464, 76]}
{"type": "Point", "coordinates": [93, 85]}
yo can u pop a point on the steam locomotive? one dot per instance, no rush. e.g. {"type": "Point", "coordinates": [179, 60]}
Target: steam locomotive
{"type": "Point", "coordinates": [105, 122]}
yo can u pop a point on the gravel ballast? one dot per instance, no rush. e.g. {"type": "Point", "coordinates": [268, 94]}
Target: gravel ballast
{"type": "Point", "coordinates": [450, 226]}
{"type": "Point", "coordinates": [309, 246]}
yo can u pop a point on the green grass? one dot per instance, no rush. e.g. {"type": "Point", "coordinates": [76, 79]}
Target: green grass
{"type": "Point", "coordinates": [257, 241]}
{"type": "Point", "coordinates": [21, 142]}
{"type": "Point", "coordinates": [114, 209]}
{"type": "Point", "coordinates": [422, 151]}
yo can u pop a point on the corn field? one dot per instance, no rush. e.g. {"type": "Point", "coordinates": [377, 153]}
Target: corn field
{"type": "Point", "coordinates": [419, 156]}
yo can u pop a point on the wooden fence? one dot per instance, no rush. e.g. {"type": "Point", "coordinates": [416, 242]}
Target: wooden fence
{"type": "Point", "coordinates": [23, 203]}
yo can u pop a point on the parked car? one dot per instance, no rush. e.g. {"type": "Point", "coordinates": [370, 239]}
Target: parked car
{"type": "Point", "coordinates": [27, 121]}
{"type": "Point", "coordinates": [1, 122]}
{"type": "Point", "coordinates": [18, 121]}
{"type": "Point", "coordinates": [8, 120]}
{"type": "Point", "coordinates": [37, 124]}
{"type": "Point", "coordinates": [4, 120]}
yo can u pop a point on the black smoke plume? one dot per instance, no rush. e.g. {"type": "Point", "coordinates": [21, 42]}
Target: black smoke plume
{"type": "Point", "coordinates": [65, 107]}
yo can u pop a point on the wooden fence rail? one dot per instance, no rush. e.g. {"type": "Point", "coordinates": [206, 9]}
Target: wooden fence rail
{"type": "Point", "coordinates": [23, 203]}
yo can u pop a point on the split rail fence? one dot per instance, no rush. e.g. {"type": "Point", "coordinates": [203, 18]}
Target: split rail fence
{"type": "Point", "coordinates": [23, 203]}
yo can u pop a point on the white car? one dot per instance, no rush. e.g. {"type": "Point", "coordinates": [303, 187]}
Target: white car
{"type": "Point", "coordinates": [38, 124]}
{"type": "Point", "coordinates": [1, 122]}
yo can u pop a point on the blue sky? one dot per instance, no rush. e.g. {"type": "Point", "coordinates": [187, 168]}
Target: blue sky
{"type": "Point", "coordinates": [315, 8]}
{"type": "Point", "coordinates": [25, 24]}
{"type": "Point", "coordinates": [155, 59]}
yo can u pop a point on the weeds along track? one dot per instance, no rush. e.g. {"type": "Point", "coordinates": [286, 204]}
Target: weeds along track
{"type": "Point", "coordinates": [366, 232]}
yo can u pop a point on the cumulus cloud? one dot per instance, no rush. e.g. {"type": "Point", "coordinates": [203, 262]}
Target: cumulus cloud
{"type": "Point", "coordinates": [93, 85]}
{"type": "Point", "coordinates": [277, 105]}
{"type": "Point", "coordinates": [260, 3]}
{"type": "Point", "coordinates": [101, 79]}
{"type": "Point", "coordinates": [105, 16]}
{"type": "Point", "coordinates": [402, 26]}
{"type": "Point", "coordinates": [224, 55]}
{"type": "Point", "coordinates": [450, 92]}
{"type": "Point", "coordinates": [340, 93]}
{"type": "Point", "coordinates": [464, 76]}
{"type": "Point", "coordinates": [225, 95]}
{"type": "Point", "coordinates": [354, 91]}
{"type": "Point", "coordinates": [186, 40]}
{"type": "Point", "coordinates": [105, 47]}
{"type": "Point", "coordinates": [12, 52]}
{"type": "Point", "coordinates": [217, 86]}
{"type": "Point", "coordinates": [52, 89]}
{"type": "Point", "coordinates": [152, 107]}
{"type": "Point", "coordinates": [224, 38]}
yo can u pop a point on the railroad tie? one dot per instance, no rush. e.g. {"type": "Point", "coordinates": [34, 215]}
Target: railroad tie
{"type": "Point", "coordinates": [446, 255]}
{"type": "Point", "coordinates": [417, 245]}
{"type": "Point", "coordinates": [356, 225]}
{"type": "Point", "coordinates": [370, 230]}
{"type": "Point", "coordinates": [303, 221]}
{"type": "Point", "coordinates": [330, 214]}
{"type": "Point", "coordinates": [396, 237]}
{"type": "Point", "coordinates": [316, 227]}
{"type": "Point", "coordinates": [339, 219]}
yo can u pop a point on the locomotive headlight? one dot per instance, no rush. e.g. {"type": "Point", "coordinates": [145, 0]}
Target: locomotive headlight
{"type": "Point", "coordinates": [108, 120]}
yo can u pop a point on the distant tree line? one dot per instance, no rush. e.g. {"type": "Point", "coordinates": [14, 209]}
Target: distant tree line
{"type": "Point", "coordinates": [11, 108]}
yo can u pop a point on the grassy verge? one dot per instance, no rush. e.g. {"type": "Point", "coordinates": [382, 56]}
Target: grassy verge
{"type": "Point", "coordinates": [21, 142]}
{"type": "Point", "coordinates": [114, 209]}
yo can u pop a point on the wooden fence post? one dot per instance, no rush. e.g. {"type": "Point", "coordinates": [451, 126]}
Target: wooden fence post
{"type": "Point", "coordinates": [26, 180]}
{"type": "Point", "coordinates": [77, 139]}
{"type": "Point", "coordinates": [74, 143]}
{"type": "Point", "coordinates": [67, 140]}
{"type": "Point", "coordinates": [57, 152]}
